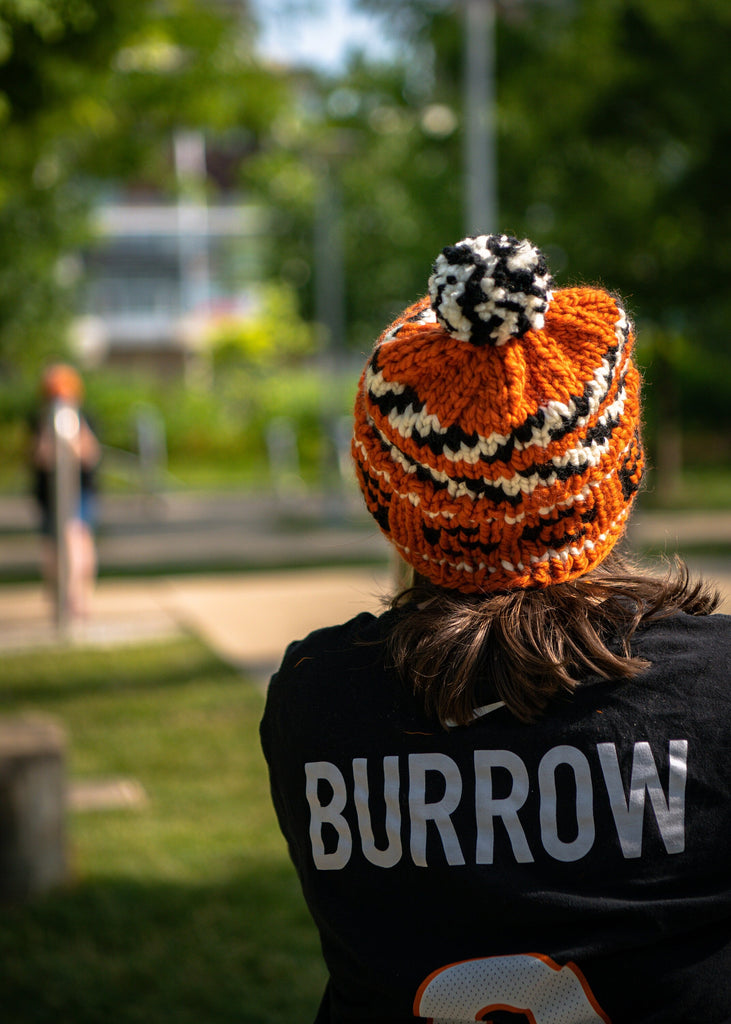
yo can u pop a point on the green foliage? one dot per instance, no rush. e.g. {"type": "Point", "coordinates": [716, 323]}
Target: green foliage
{"type": "Point", "coordinates": [619, 180]}
{"type": "Point", "coordinates": [185, 908]}
{"type": "Point", "coordinates": [635, 119]}
{"type": "Point", "coordinates": [613, 134]}
{"type": "Point", "coordinates": [92, 92]}
{"type": "Point", "coordinates": [380, 152]}
{"type": "Point", "coordinates": [213, 434]}
{"type": "Point", "coordinates": [273, 334]}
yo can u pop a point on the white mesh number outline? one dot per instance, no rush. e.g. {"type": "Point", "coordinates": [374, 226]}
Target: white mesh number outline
{"type": "Point", "coordinates": [528, 983]}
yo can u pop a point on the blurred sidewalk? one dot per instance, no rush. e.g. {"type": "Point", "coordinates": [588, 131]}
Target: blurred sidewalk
{"type": "Point", "coordinates": [248, 617]}
{"type": "Point", "coordinates": [193, 532]}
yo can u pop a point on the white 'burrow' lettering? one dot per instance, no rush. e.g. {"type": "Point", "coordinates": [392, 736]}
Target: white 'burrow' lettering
{"type": "Point", "coordinates": [627, 808]}
{"type": "Point", "coordinates": [439, 811]}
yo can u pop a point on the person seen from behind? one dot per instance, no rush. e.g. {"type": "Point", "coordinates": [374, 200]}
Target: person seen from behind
{"type": "Point", "coordinates": [507, 797]}
{"type": "Point", "coordinates": [62, 388]}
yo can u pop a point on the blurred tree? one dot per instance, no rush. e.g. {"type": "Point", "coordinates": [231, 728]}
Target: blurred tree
{"type": "Point", "coordinates": [613, 135]}
{"type": "Point", "coordinates": [270, 336]}
{"type": "Point", "coordinates": [377, 147]}
{"type": "Point", "coordinates": [92, 91]}
{"type": "Point", "coordinates": [621, 177]}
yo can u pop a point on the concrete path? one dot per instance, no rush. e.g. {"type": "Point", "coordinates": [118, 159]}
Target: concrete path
{"type": "Point", "coordinates": [247, 618]}
{"type": "Point", "coordinates": [176, 533]}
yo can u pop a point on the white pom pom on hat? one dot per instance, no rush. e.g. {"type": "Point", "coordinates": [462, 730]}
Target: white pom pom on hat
{"type": "Point", "coordinates": [489, 289]}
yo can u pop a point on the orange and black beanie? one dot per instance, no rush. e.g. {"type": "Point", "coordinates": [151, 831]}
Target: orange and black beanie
{"type": "Point", "coordinates": [497, 422]}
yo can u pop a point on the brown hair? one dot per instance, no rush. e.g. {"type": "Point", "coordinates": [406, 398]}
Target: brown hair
{"type": "Point", "coordinates": [528, 646]}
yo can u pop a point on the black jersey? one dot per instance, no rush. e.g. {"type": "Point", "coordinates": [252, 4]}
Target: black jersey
{"type": "Point", "coordinates": [564, 872]}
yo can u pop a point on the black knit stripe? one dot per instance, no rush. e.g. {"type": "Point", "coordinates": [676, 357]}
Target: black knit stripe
{"type": "Point", "coordinates": [629, 468]}
{"type": "Point", "coordinates": [478, 489]}
{"type": "Point", "coordinates": [545, 531]}
{"type": "Point", "coordinates": [377, 500]}
{"type": "Point", "coordinates": [454, 437]}
{"type": "Point", "coordinates": [482, 488]}
{"type": "Point", "coordinates": [537, 531]}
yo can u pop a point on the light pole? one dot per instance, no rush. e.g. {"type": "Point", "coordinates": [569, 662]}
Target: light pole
{"type": "Point", "coordinates": [479, 114]}
{"type": "Point", "coordinates": [329, 260]}
{"type": "Point", "coordinates": [193, 232]}
{"type": "Point", "coordinates": [329, 256]}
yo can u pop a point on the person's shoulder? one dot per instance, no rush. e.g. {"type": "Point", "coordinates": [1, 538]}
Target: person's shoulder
{"type": "Point", "coordinates": [350, 642]}
{"type": "Point", "coordinates": [682, 629]}
{"type": "Point", "coordinates": [323, 677]}
{"type": "Point", "coordinates": [694, 649]}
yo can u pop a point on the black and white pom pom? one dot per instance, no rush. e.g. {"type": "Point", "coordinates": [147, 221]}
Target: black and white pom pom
{"type": "Point", "coordinates": [489, 289]}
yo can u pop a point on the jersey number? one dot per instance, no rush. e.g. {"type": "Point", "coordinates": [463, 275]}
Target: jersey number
{"type": "Point", "coordinates": [527, 983]}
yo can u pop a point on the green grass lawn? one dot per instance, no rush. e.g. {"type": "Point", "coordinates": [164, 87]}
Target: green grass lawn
{"type": "Point", "coordinates": [185, 909]}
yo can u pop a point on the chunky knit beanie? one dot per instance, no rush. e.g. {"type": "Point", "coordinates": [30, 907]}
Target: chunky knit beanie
{"type": "Point", "coordinates": [497, 423]}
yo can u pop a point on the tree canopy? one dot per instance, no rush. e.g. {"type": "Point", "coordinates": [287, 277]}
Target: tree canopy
{"type": "Point", "coordinates": [613, 132]}
{"type": "Point", "coordinates": [92, 91]}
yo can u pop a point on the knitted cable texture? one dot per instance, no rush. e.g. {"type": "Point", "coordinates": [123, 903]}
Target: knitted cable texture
{"type": "Point", "coordinates": [496, 432]}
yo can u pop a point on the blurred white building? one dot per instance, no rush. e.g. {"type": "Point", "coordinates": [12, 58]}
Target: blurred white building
{"type": "Point", "coordinates": [158, 271]}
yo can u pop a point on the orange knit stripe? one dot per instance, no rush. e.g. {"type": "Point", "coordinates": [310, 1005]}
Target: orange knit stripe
{"type": "Point", "coordinates": [491, 389]}
{"type": "Point", "coordinates": [546, 493]}
{"type": "Point", "coordinates": [519, 460]}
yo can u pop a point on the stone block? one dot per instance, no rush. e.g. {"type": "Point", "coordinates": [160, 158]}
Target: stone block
{"type": "Point", "coordinates": [33, 852]}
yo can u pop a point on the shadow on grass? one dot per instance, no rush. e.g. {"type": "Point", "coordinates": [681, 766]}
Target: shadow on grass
{"type": "Point", "coordinates": [102, 672]}
{"type": "Point", "coordinates": [242, 951]}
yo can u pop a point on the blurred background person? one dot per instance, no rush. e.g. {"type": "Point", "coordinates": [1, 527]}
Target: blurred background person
{"type": "Point", "coordinates": [61, 386]}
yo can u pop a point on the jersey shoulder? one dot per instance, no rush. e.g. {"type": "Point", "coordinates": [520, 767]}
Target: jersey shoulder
{"type": "Point", "coordinates": [684, 641]}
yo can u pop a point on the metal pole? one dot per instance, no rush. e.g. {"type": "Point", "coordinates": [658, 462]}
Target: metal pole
{"type": "Point", "coordinates": [193, 232]}
{"type": "Point", "coordinates": [479, 104]}
{"type": "Point", "coordinates": [65, 424]}
{"type": "Point", "coordinates": [329, 311]}
{"type": "Point", "coordinates": [329, 260]}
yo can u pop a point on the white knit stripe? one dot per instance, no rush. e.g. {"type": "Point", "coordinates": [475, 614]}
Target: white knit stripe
{"type": "Point", "coordinates": [409, 422]}
{"type": "Point", "coordinates": [556, 414]}
{"type": "Point", "coordinates": [422, 422]}
{"type": "Point", "coordinates": [427, 316]}
{"type": "Point", "coordinates": [377, 385]}
{"type": "Point", "coordinates": [508, 520]}
{"type": "Point", "coordinates": [580, 458]}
